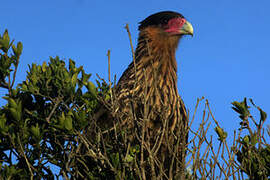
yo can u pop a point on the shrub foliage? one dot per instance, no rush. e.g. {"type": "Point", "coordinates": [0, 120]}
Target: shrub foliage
{"type": "Point", "coordinates": [45, 122]}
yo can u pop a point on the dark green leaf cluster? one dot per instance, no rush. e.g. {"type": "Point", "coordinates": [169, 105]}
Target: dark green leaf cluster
{"type": "Point", "coordinates": [255, 162]}
{"type": "Point", "coordinates": [254, 155]}
{"type": "Point", "coordinates": [241, 108]}
{"type": "Point", "coordinates": [8, 61]}
{"type": "Point", "coordinates": [43, 115]}
{"type": "Point", "coordinates": [222, 135]}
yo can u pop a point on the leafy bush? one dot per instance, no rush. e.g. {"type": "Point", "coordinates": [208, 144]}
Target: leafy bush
{"type": "Point", "coordinates": [49, 121]}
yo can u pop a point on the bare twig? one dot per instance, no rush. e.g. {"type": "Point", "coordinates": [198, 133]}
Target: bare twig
{"type": "Point", "coordinates": [58, 101]}
{"type": "Point", "coordinates": [26, 159]}
{"type": "Point", "coordinates": [132, 50]}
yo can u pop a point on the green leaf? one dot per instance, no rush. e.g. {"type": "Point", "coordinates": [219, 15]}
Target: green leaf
{"type": "Point", "coordinates": [246, 139]}
{"type": "Point", "coordinates": [68, 123]}
{"type": "Point", "coordinates": [15, 114]}
{"type": "Point", "coordinates": [74, 79]}
{"type": "Point", "coordinates": [12, 103]}
{"type": "Point", "coordinates": [5, 42]}
{"type": "Point", "coordinates": [44, 66]}
{"type": "Point", "coordinates": [19, 48]}
{"type": "Point", "coordinates": [6, 36]}
{"type": "Point", "coordinates": [85, 78]}
{"type": "Point", "coordinates": [3, 127]}
{"type": "Point", "coordinates": [241, 108]}
{"type": "Point", "coordinates": [107, 97]}
{"type": "Point", "coordinates": [115, 159]}
{"type": "Point", "coordinates": [35, 130]}
{"type": "Point", "coordinates": [70, 113]}
{"type": "Point", "coordinates": [19, 107]}
{"type": "Point", "coordinates": [24, 87]}
{"type": "Point", "coordinates": [92, 88]}
{"type": "Point", "coordinates": [221, 134]}
{"type": "Point", "coordinates": [61, 121]}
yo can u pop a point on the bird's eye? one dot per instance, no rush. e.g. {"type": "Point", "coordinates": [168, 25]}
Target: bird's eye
{"type": "Point", "coordinates": [165, 21]}
{"type": "Point", "coordinates": [182, 21]}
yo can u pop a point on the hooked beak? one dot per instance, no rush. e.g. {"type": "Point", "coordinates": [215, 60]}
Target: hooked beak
{"type": "Point", "coordinates": [186, 29]}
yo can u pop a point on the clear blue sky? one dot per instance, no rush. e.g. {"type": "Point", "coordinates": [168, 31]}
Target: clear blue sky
{"type": "Point", "coordinates": [226, 60]}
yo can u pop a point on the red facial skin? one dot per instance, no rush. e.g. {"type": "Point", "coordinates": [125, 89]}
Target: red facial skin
{"type": "Point", "coordinates": [174, 25]}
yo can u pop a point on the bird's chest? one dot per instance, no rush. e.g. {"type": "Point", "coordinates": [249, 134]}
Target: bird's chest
{"type": "Point", "coordinates": [156, 90]}
{"type": "Point", "coordinates": [152, 86]}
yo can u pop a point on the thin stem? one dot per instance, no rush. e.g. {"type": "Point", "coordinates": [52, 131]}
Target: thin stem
{"type": "Point", "coordinates": [132, 49]}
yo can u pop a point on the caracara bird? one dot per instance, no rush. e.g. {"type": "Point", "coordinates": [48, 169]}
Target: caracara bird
{"type": "Point", "coordinates": [148, 87]}
{"type": "Point", "coordinates": [147, 96]}
{"type": "Point", "coordinates": [152, 78]}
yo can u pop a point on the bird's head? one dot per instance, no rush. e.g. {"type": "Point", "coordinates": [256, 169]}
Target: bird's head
{"type": "Point", "coordinates": [169, 22]}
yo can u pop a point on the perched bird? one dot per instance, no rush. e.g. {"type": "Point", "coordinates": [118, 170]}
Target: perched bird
{"type": "Point", "coordinates": [146, 101]}
{"type": "Point", "coordinates": [147, 93]}
{"type": "Point", "coordinates": [152, 79]}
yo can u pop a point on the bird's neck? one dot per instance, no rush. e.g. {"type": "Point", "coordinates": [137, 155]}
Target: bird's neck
{"type": "Point", "coordinates": [155, 54]}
